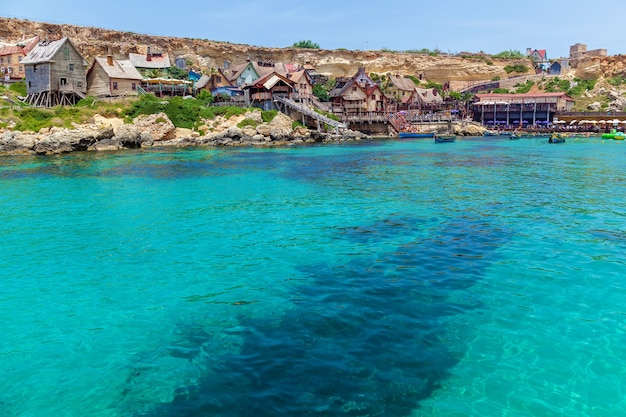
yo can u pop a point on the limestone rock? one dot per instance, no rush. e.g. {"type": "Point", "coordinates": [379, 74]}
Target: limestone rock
{"type": "Point", "coordinates": [107, 145]}
{"type": "Point", "coordinates": [128, 136]}
{"type": "Point", "coordinates": [159, 126]}
{"type": "Point", "coordinates": [595, 106]}
{"type": "Point", "coordinates": [17, 142]}
{"type": "Point", "coordinates": [107, 122]}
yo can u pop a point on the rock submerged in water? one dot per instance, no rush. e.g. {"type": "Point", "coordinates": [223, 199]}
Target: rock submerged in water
{"type": "Point", "coordinates": [158, 131]}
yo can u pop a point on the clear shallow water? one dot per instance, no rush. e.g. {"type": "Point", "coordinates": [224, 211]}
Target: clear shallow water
{"type": "Point", "coordinates": [383, 278]}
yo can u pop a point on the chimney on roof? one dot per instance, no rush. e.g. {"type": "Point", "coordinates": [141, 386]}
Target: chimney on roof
{"type": "Point", "coordinates": [109, 57]}
{"type": "Point", "coordinates": [148, 55]}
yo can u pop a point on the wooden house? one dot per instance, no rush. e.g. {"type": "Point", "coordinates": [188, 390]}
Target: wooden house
{"type": "Point", "coordinates": [250, 71]}
{"type": "Point", "coordinates": [539, 58]}
{"type": "Point", "coordinates": [357, 95]}
{"type": "Point", "coordinates": [555, 68]}
{"type": "Point", "coordinates": [264, 90]}
{"type": "Point", "coordinates": [55, 74]}
{"type": "Point", "coordinates": [520, 109]}
{"type": "Point", "coordinates": [429, 99]}
{"type": "Point", "coordinates": [316, 77]}
{"type": "Point", "coordinates": [11, 67]}
{"type": "Point", "coordinates": [404, 92]}
{"type": "Point", "coordinates": [111, 77]}
{"type": "Point", "coordinates": [376, 100]}
{"type": "Point", "coordinates": [212, 81]}
{"type": "Point", "coordinates": [348, 98]}
{"type": "Point", "coordinates": [151, 63]}
{"type": "Point", "coordinates": [303, 83]}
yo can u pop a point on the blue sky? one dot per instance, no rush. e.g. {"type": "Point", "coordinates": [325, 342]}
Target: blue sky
{"type": "Point", "coordinates": [450, 26]}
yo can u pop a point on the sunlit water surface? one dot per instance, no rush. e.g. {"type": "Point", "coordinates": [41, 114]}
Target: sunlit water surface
{"type": "Point", "coordinates": [485, 277]}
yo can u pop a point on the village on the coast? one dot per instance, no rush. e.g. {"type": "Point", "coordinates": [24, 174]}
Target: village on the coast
{"type": "Point", "coordinates": [55, 73]}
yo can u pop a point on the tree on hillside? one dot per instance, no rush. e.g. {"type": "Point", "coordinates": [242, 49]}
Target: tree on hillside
{"type": "Point", "coordinates": [306, 44]}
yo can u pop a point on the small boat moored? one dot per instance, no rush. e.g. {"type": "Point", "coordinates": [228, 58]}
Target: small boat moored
{"type": "Point", "coordinates": [408, 135]}
{"type": "Point", "coordinates": [444, 138]}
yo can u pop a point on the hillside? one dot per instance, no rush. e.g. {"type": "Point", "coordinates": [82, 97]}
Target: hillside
{"type": "Point", "coordinates": [94, 42]}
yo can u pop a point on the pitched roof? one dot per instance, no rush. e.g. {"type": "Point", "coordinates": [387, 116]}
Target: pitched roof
{"type": "Point", "coordinates": [540, 52]}
{"type": "Point", "coordinates": [403, 83]}
{"type": "Point", "coordinates": [270, 80]}
{"type": "Point", "coordinates": [344, 92]}
{"type": "Point", "coordinates": [429, 95]}
{"type": "Point", "coordinates": [23, 47]}
{"type": "Point", "coordinates": [296, 76]}
{"type": "Point", "coordinates": [45, 51]}
{"type": "Point", "coordinates": [120, 69]}
{"type": "Point", "coordinates": [160, 61]}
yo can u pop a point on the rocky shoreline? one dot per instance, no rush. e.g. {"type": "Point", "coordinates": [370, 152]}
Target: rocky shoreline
{"type": "Point", "coordinates": [151, 131]}
{"type": "Point", "coordinates": [105, 134]}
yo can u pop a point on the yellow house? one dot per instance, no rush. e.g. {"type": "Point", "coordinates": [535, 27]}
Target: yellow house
{"type": "Point", "coordinates": [11, 67]}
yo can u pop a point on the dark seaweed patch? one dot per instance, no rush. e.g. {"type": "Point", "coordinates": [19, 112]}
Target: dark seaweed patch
{"type": "Point", "coordinates": [362, 340]}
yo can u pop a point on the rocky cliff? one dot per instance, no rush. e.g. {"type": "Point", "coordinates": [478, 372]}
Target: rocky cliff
{"type": "Point", "coordinates": [94, 42]}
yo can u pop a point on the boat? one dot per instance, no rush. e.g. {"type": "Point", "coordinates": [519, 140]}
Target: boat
{"type": "Point", "coordinates": [491, 133]}
{"type": "Point", "coordinates": [406, 135]}
{"type": "Point", "coordinates": [513, 136]}
{"type": "Point", "coordinates": [556, 138]}
{"type": "Point", "coordinates": [445, 138]}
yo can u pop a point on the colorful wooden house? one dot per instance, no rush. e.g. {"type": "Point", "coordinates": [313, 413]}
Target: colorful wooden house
{"type": "Point", "coordinates": [213, 80]}
{"type": "Point", "coordinates": [403, 91]}
{"type": "Point", "coordinates": [264, 90]}
{"type": "Point", "coordinates": [429, 99]}
{"type": "Point", "coordinates": [151, 63]}
{"type": "Point", "coordinates": [55, 74]}
{"type": "Point", "coordinates": [111, 77]}
{"type": "Point", "coordinates": [539, 58]}
{"type": "Point", "coordinates": [11, 67]}
{"type": "Point", "coordinates": [303, 82]}
{"type": "Point", "coordinates": [357, 95]}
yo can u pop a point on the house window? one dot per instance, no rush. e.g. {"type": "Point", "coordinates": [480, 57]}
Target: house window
{"type": "Point", "coordinates": [353, 88]}
{"type": "Point", "coordinates": [34, 68]}
{"type": "Point", "coordinates": [1, 60]}
{"type": "Point", "coordinates": [79, 84]}
{"type": "Point", "coordinates": [218, 79]}
{"type": "Point", "coordinates": [66, 52]}
{"type": "Point", "coordinates": [115, 85]}
{"type": "Point", "coordinates": [21, 68]}
{"type": "Point", "coordinates": [63, 81]}
{"type": "Point", "coordinates": [19, 58]}
{"type": "Point", "coordinates": [71, 67]}
{"type": "Point", "coordinates": [9, 59]}
{"type": "Point", "coordinates": [133, 86]}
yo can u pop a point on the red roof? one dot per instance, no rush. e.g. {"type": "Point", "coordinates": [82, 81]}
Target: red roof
{"type": "Point", "coordinates": [21, 48]}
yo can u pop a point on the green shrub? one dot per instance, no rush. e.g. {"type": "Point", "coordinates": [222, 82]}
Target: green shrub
{"type": "Point", "coordinates": [268, 115]}
{"type": "Point", "coordinates": [296, 123]}
{"type": "Point", "coordinates": [524, 88]}
{"type": "Point", "coordinates": [205, 97]}
{"type": "Point", "coordinates": [510, 54]}
{"type": "Point", "coordinates": [33, 119]}
{"type": "Point", "coordinates": [19, 88]}
{"type": "Point", "coordinates": [519, 68]}
{"type": "Point", "coordinates": [307, 44]}
{"type": "Point", "coordinates": [247, 122]}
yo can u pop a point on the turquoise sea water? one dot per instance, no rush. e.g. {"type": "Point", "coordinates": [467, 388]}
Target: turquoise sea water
{"type": "Point", "coordinates": [485, 277]}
